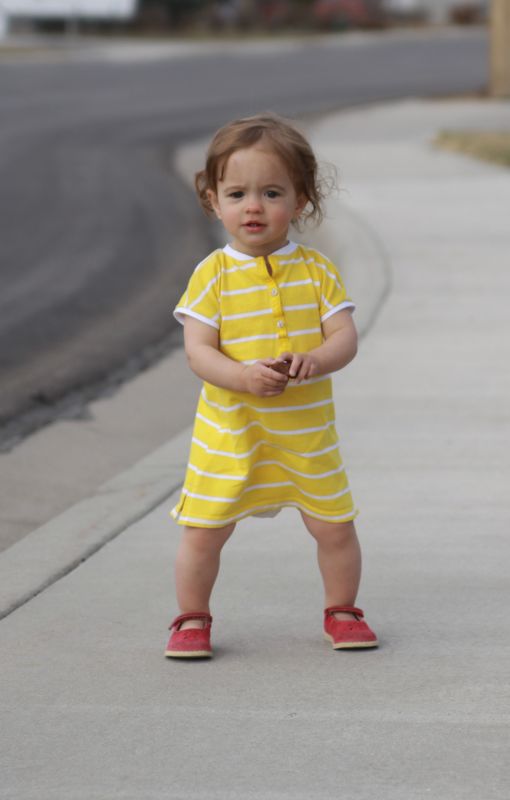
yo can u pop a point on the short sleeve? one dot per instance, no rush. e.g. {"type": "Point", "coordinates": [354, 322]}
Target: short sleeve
{"type": "Point", "coordinates": [333, 294]}
{"type": "Point", "coordinates": [201, 299]}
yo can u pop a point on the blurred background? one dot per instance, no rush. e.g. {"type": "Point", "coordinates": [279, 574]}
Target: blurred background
{"type": "Point", "coordinates": [121, 16]}
{"type": "Point", "coordinates": [99, 229]}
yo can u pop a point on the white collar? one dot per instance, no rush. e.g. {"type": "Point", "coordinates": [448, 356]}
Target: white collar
{"type": "Point", "coordinates": [282, 251]}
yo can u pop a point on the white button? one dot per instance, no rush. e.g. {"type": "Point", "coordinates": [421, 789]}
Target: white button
{"type": "Point", "coordinates": [274, 292]}
{"type": "Point", "coordinates": [280, 323]}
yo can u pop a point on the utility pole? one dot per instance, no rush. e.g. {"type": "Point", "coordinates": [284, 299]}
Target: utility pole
{"type": "Point", "coordinates": [500, 48]}
{"type": "Point", "coordinates": [4, 21]}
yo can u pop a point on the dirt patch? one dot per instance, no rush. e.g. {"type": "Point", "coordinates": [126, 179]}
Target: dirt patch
{"type": "Point", "coordinates": [493, 146]}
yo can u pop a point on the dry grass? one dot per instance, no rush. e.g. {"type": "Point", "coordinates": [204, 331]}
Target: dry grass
{"type": "Point", "coordinates": [491, 146]}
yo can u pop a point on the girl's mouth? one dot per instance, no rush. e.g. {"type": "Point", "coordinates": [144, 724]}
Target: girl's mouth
{"type": "Point", "coordinates": [254, 226]}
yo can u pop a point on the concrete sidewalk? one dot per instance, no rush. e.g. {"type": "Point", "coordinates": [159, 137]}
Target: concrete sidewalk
{"type": "Point", "coordinates": [91, 708]}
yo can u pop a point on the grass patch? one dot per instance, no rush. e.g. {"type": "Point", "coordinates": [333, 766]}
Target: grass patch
{"type": "Point", "coordinates": [490, 146]}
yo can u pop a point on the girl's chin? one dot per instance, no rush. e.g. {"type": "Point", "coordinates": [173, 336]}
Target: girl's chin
{"type": "Point", "coordinates": [256, 246]}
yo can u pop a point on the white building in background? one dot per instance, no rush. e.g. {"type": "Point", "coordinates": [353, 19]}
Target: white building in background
{"type": "Point", "coordinates": [72, 10]}
{"type": "Point", "coordinates": [435, 11]}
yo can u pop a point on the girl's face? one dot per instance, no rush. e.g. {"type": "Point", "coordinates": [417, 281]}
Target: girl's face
{"type": "Point", "coordinates": [256, 201]}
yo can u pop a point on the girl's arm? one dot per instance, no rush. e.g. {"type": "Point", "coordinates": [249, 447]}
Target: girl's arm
{"type": "Point", "coordinates": [338, 349]}
{"type": "Point", "coordinates": [201, 343]}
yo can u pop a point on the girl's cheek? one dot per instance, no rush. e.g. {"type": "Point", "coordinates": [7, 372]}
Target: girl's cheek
{"type": "Point", "coordinates": [282, 216]}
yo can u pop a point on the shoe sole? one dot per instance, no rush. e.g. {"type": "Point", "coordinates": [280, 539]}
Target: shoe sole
{"type": "Point", "coordinates": [350, 645]}
{"type": "Point", "coordinates": [188, 654]}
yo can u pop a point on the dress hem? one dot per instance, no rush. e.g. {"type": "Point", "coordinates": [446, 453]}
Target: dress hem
{"type": "Point", "coordinates": [196, 522]}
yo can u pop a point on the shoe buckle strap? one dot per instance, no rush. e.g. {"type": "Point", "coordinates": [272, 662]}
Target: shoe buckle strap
{"type": "Point", "coordinates": [190, 615]}
{"type": "Point", "coordinates": [344, 609]}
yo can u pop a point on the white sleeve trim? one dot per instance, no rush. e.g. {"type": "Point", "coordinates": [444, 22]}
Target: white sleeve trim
{"type": "Point", "coordinates": [181, 312]}
{"type": "Point", "coordinates": [346, 304]}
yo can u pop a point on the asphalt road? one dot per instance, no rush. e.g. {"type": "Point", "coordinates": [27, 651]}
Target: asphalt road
{"type": "Point", "coordinates": [99, 233]}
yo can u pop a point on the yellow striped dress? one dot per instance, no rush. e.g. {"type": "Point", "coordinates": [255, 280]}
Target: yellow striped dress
{"type": "Point", "coordinates": [253, 455]}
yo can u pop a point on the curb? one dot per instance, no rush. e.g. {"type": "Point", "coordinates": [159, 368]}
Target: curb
{"type": "Point", "coordinates": [59, 546]}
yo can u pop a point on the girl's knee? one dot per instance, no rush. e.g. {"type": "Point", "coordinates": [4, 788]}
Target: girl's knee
{"type": "Point", "coordinates": [331, 534]}
{"type": "Point", "coordinates": [208, 539]}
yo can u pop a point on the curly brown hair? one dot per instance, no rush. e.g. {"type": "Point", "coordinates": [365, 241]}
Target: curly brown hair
{"type": "Point", "coordinates": [284, 139]}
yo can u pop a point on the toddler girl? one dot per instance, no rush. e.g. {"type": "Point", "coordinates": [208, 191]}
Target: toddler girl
{"type": "Point", "coordinates": [265, 323]}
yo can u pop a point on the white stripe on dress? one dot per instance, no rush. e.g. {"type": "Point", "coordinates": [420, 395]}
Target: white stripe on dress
{"type": "Point", "coordinates": [327, 474]}
{"type": "Point", "coordinates": [250, 338]}
{"type": "Point", "coordinates": [256, 423]}
{"type": "Point", "coordinates": [245, 291]}
{"type": "Point", "coordinates": [298, 488]}
{"type": "Point", "coordinates": [300, 283]}
{"type": "Point", "coordinates": [239, 268]}
{"type": "Point", "coordinates": [244, 478]}
{"type": "Point", "coordinates": [297, 261]}
{"type": "Point", "coordinates": [240, 456]}
{"type": "Point", "coordinates": [249, 314]}
{"type": "Point", "coordinates": [204, 291]}
{"type": "Point", "coordinates": [276, 410]}
{"type": "Point", "coordinates": [276, 484]}
{"type": "Point", "coordinates": [300, 308]}
{"type": "Point", "coordinates": [333, 277]}
{"type": "Point", "coordinates": [304, 332]}
{"type": "Point", "coordinates": [206, 260]}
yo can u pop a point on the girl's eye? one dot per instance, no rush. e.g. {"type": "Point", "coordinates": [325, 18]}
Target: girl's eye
{"type": "Point", "coordinates": [272, 193]}
{"type": "Point", "coordinates": [236, 195]}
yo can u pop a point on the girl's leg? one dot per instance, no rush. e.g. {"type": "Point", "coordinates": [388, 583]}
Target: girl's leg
{"type": "Point", "coordinates": [339, 557]}
{"type": "Point", "coordinates": [196, 568]}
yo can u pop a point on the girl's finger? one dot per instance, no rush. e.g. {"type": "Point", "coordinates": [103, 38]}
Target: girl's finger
{"type": "Point", "coordinates": [301, 368]}
{"type": "Point", "coordinates": [275, 378]}
{"type": "Point", "coordinates": [295, 366]}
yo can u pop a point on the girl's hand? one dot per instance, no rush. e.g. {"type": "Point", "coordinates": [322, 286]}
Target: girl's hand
{"type": "Point", "coordinates": [263, 381]}
{"type": "Point", "coordinates": [303, 365]}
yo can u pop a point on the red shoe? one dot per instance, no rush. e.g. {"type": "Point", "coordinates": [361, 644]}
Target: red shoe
{"type": "Point", "coordinates": [346, 633]}
{"type": "Point", "coordinates": [191, 642]}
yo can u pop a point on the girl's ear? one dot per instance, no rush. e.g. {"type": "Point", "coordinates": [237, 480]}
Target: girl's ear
{"type": "Point", "coordinates": [213, 199]}
{"type": "Point", "coordinates": [300, 206]}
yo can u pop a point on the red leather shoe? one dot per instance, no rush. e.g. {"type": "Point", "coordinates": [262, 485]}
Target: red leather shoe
{"type": "Point", "coordinates": [191, 642]}
{"type": "Point", "coordinates": [347, 633]}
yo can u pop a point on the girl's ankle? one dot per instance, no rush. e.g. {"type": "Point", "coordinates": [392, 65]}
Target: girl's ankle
{"type": "Point", "coordinates": [343, 615]}
{"type": "Point", "coordinates": [192, 623]}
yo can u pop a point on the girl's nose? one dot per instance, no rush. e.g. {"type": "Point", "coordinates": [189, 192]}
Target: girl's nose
{"type": "Point", "coordinates": [254, 204]}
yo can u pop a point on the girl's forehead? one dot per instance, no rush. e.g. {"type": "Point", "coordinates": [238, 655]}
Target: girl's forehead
{"type": "Point", "coordinates": [251, 161]}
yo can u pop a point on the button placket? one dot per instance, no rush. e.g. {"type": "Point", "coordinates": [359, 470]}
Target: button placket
{"type": "Point", "coordinates": [276, 306]}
